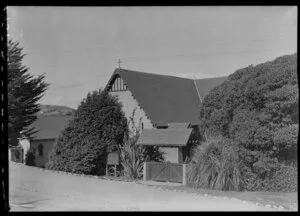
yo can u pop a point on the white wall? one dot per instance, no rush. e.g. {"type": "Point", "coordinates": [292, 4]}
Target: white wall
{"type": "Point", "coordinates": [172, 154]}
{"type": "Point", "coordinates": [129, 104]}
{"type": "Point", "coordinates": [25, 143]}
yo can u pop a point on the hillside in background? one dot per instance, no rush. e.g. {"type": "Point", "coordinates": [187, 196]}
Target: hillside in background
{"type": "Point", "coordinates": [47, 110]}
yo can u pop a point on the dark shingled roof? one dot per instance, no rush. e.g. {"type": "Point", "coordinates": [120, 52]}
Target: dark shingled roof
{"type": "Point", "coordinates": [166, 99]}
{"type": "Point", "coordinates": [165, 137]}
{"type": "Point", "coordinates": [204, 86]}
{"type": "Point", "coordinates": [49, 127]}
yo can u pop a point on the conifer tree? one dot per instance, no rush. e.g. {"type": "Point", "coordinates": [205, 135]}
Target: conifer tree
{"type": "Point", "coordinates": [24, 91]}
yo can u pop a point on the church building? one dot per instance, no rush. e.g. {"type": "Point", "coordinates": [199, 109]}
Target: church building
{"type": "Point", "coordinates": [168, 107]}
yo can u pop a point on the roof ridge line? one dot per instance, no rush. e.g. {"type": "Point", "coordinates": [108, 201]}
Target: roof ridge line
{"type": "Point", "coordinates": [197, 91]}
{"type": "Point", "coordinates": [172, 76]}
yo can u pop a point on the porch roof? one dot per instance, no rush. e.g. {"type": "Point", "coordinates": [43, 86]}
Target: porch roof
{"type": "Point", "coordinates": [165, 137]}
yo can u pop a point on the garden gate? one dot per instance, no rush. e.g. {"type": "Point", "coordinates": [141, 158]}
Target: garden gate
{"type": "Point", "coordinates": [170, 172]}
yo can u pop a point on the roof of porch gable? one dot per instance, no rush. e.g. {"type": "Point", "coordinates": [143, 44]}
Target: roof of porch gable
{"type": "Point", "coordinates": [165, 137]}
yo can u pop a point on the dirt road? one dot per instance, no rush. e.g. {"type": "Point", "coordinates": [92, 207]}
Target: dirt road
{"type": "Point", "coordinates": [32, 189]}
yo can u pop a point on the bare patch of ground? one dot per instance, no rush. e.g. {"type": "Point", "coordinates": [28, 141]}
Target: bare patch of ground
{"type": "Point", "coordinates": [278, 200]}
{"type": "Point", "coordinates": [33, 189]}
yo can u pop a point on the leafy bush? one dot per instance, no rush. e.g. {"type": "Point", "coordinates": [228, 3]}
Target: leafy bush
{"type": "Point", "coordinates": [30, 158]}
{"type": "Point", "coordinates": [133, 156]}
{"type": "Point", "coordinates": [284, 180]}
{"type": "Point", "coordinates": [214, 165]}
{"type": "Point", "coordinates": [286, 140]}
{"type": "Point", "coordinates": [98, 126]}
{"type": "Point", "coordinates": [258, 108]}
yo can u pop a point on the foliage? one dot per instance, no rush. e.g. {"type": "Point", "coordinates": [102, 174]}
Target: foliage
{"type": "Point", "coordinates": [98, 126]}
{"type": "Point", "coordinates": [215, 165]}
{"type": "Point", "coordinates": [24, 91]}
{"type": "Point", "coordinates": [131, 159]}
{"type": "Point", "coordinates": [257, 107]}
{"type": "Point", "coordinates": [30, 158]}
{"type": "Point", "coordinates": [285, 180]}
{"type": "Point", "coordinates": [133, 156]}
{"type": "Point", "coordinates": [286, 139]}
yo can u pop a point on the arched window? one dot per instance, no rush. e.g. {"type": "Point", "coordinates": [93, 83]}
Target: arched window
{"type": "Point", "coordinates": [122, 84]}
{"type": "Point", "coordinates": [40, 149]}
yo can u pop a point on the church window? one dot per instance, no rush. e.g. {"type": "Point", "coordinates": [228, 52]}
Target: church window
{"type": "Point", "coordinates": [122, 84]}
{"type": "Point", "coordinates": [40, 149]}
{"type": "Point", "coordinates": [118, 85]}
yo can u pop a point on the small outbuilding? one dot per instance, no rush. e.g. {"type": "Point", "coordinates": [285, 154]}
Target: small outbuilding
{"type": "Point", "coordinates": [48, 129]}
{"type": "Point", "coordinates": [16, 154]}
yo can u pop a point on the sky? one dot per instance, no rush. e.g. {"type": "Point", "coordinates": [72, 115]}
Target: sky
{"type": "Point", "coordinates": [77, 48]}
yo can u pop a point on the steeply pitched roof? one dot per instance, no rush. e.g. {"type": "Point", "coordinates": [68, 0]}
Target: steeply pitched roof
{"type": "Point", "coordinates": [204, 86]}
{"type": "Point", "coordinates": [166, 99]}
{"type": "Point", "coordinates": [165, 137]}
{"type": "Point", "coordinates": [50, 127]}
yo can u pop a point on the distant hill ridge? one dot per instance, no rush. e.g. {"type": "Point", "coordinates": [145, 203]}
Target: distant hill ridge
{"type": "Point", "coordinates": [55, 110]}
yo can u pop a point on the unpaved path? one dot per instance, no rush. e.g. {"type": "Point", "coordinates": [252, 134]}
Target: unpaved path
{"type": "Point", "coordinates": [32, 189]}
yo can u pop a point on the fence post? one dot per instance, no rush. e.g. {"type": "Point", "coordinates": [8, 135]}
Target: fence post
{"type": "Point", "coordinates": [145, 171]}
{"type": "Point", "coordinates": [184, 174]}
{"type": "Point", "coordinates": [22, 153]}
{"type": "Point", "coordinates": [9, 155]}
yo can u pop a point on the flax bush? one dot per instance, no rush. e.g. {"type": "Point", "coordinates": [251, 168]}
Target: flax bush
{"type": "Point", "coordinates": [215, 165]}
{"type": "Point", "coordinates": [133, 156]}
{"type": "Point", "coordinates": [131, 159]}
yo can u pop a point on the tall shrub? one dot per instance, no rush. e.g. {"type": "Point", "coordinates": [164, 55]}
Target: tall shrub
{"type": "Point", "coordinates": [98, 125]}
{"type": "Point", "coordinates": [258, 108]}
{"type": "Point", "coordinates": [30, 158]}
{"type": "Point", "coordinates": [215, 165]}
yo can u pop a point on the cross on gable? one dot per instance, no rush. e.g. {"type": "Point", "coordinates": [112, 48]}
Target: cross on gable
{"type": "Point", "coordinates": [119, 62]}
